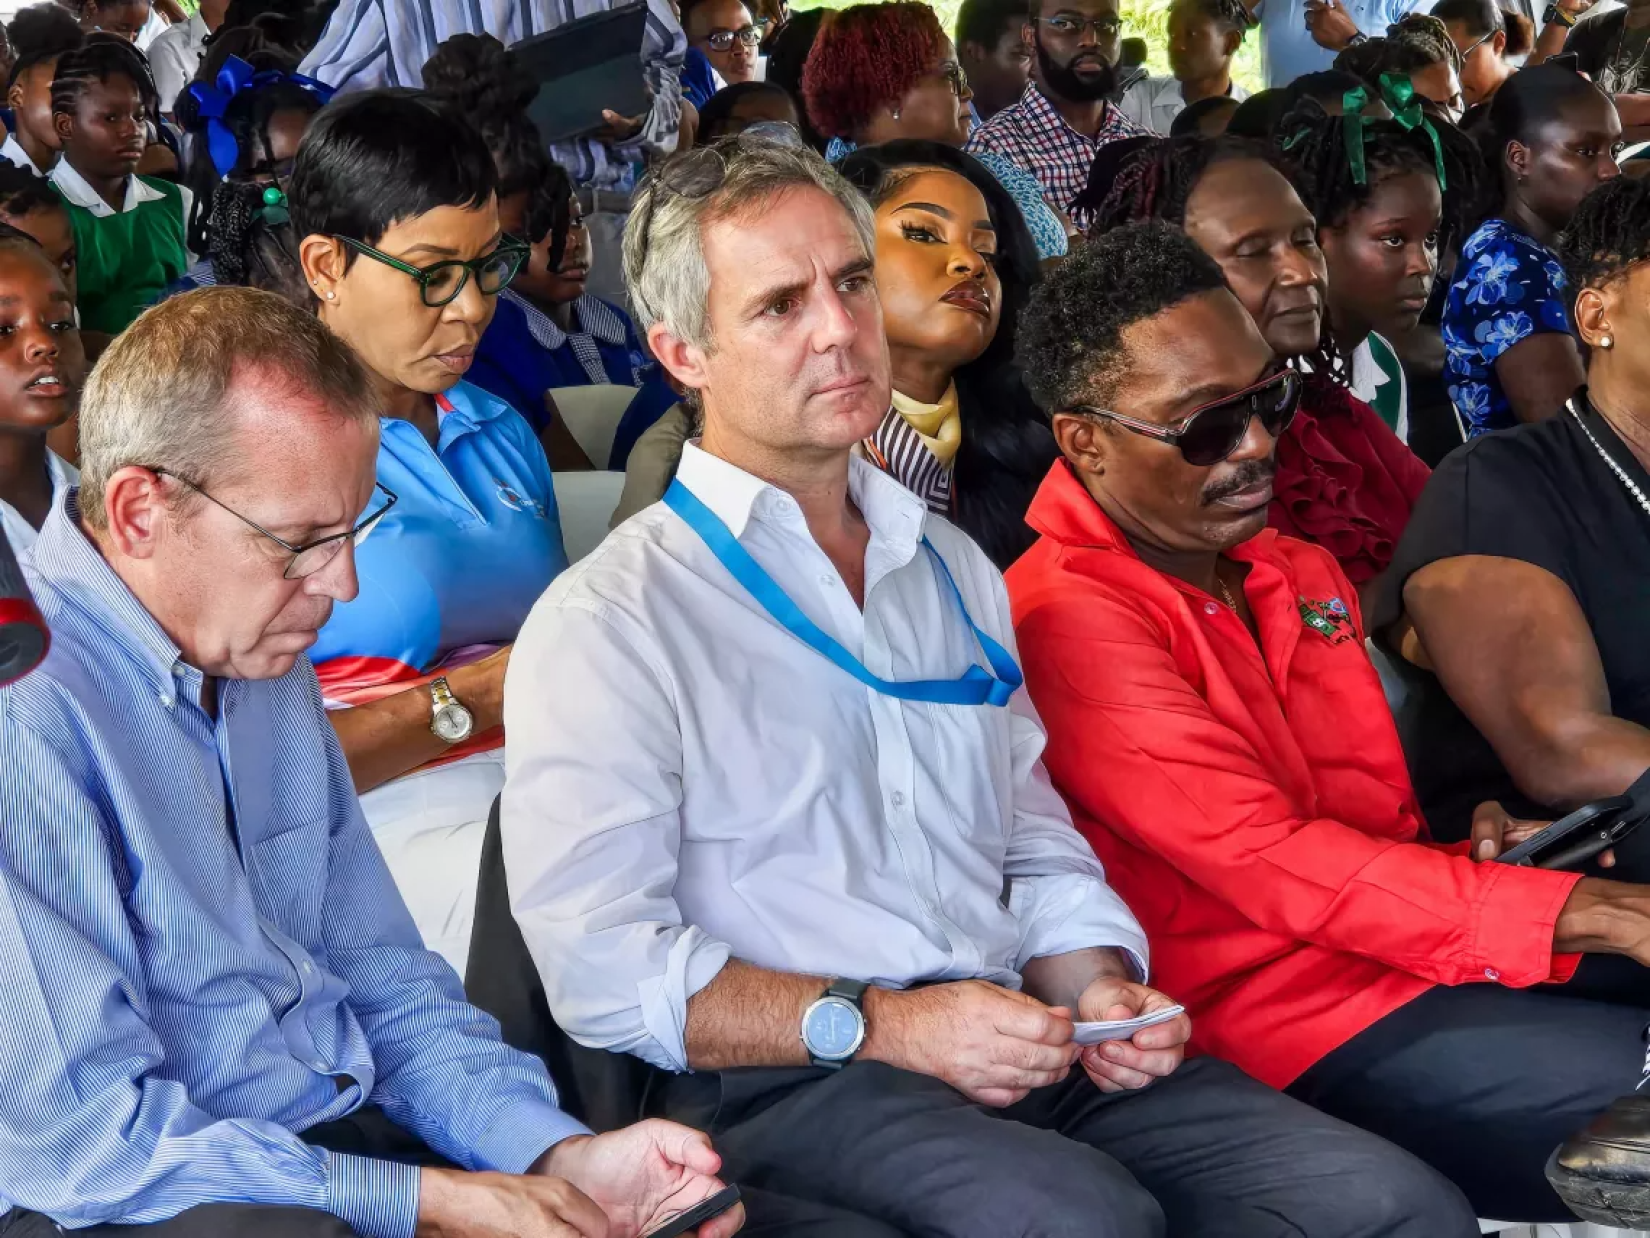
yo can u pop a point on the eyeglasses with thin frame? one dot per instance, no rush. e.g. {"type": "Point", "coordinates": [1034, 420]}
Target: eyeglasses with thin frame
{"type": "Point", "coordinates": [310, 557]}
{"type": "Point", "coordinates": [1075, 27]}
{"type": "Point", "coordinates": [721, 40]}
{"type": "Point", "coordinates": [441, 282]}
{"type": "Point", "coordinates": [1212, 432]}
{"type": "Point", "coordinates": [954, 76]}
{"type": "Point", "coordinates": [1480, 43]}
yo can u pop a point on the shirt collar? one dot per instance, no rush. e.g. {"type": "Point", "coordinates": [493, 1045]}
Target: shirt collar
{"type": "Point", "coordinates": [894, 514]}
{"type": "Point", "coordinates": [77, 190]}
{"type": "Point", "coordinates": [12, 151]}
{"type": "Point", "coordinates": [591, 315]}
{"type": "Point", "coordinates": [1064, 511]}
{"type": "Point", "coordinates": [67, 563]}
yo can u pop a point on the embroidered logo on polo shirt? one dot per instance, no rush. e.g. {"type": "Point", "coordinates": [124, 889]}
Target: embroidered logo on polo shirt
{"type": "Point", "coordinates": [517, 501]}
{"type": "Point", "coordinates": [1329, 619]}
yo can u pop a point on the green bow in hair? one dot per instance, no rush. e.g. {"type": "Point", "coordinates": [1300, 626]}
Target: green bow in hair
{"type": "Point", "coordinates": [1398, 93]}
{"type": "Point", "coordinates": [274, 209]}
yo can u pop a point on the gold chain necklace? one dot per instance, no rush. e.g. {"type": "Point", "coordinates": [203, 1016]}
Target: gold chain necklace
{"type": "Point", "coordinates": [1225, 593]}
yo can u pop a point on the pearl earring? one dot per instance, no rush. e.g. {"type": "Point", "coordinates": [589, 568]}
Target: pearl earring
{"type": "Point", "coordinates": [896, 113]}
{"type": "Point", "coordinates": [332, 296]}
{"type": "Point", "coordinates": [1607, 341]}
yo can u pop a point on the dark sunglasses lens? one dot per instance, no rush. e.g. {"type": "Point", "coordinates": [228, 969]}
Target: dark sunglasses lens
{"type": "Point", "coordinates": [1215, 432]}
{"type": "Point", "coordinates": [1277, 401]}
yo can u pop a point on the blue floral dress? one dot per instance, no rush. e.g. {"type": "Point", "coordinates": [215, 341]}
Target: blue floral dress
{"type": "Point", "coordinates": [1508, 287]}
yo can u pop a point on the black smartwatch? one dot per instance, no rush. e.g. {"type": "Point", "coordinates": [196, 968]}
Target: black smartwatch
{"type": "Point", "coordinates": [1556, 14]}
{"type": "Point", "coordinates": [1358, 37]}
{"type": "Point", "coordinates": [833, 1028]}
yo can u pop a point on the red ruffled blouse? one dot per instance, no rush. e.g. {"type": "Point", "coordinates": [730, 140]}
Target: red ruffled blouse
{"type": "Point", "coordinates": [1345, 481]}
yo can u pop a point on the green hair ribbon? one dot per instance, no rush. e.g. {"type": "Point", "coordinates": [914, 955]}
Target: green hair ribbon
{"type": "Point", "coordinates": [1398, 93]}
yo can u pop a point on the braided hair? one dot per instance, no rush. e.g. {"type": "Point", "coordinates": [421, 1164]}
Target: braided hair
{"type": "Point", "coordinates": [486, 83]}
{"type": "Point", "coordinates": [1609, 232]}
{"type": "Point", "coordinates": [252, 242]}
{"type": "Point", "coordinates": [100, 58]}
{"type": "Point", "coordinates": [1427, 36]}
{"type": "Point", "coordinates": [1314, 147]}
{"type": "Point", "coordinates": [247, 118]}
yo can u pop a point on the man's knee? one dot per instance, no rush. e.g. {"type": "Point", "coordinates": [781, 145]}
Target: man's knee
{"type": "Point", "coordinates": [1075, 1193]}
{"type": "Point", "coordinates": [1385, 1190]}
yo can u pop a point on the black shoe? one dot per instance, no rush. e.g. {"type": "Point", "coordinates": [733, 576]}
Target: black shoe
{"type": "Point", "coordinates": [1603, 1172]}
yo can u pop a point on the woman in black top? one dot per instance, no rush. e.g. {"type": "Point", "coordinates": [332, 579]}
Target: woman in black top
{"type": "Point", "coordinates": [1523, 579]}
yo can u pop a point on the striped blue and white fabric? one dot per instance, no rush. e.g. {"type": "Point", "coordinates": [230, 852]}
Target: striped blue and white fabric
{"type": "Point", "coordinates": [371, 43]}
{"type": "Point", "coordinates": [201, 950]}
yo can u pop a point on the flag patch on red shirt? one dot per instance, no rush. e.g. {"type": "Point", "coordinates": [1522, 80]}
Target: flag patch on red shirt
{"type": "Point", "coordinates": [1330, 619]}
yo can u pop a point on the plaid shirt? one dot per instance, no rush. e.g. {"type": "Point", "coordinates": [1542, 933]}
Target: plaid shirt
{"type": "Point", "coordinates": [1034, 136]}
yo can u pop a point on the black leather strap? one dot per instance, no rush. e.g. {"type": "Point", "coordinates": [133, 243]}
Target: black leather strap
{"type": "Point", "coordinates": [849, 991]}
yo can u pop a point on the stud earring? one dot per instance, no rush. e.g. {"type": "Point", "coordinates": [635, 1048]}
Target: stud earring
{"type": "Point", "coordinates": [896, 113]}
{"type": "Point", "coordinates": [1606, 341]}
{"type": "Point", "coordinates": [332, 296]}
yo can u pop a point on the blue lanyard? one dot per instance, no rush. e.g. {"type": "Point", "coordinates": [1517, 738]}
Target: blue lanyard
{"type": "Point", "coordinates": [975, 687]}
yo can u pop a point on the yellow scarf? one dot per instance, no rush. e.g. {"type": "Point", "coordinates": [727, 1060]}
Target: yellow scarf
{"type": "Point", "coordinates": [938, 425]}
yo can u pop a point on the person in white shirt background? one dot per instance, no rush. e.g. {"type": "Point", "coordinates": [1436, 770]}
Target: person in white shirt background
{"type": "Point", "coordinates": [40, 35]}
{"type": "Point", "coordinates": [753, 748]}
{"type": "Point", "coordinates": [1204, 35]}
{"type": "Point", "coordinates": [176, 52]}
{"type": "Point", "coordinates": [42, 367]}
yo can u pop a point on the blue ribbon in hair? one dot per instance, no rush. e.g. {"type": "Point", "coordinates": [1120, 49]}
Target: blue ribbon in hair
{"type": "Point", "coordinates": [212, 100]}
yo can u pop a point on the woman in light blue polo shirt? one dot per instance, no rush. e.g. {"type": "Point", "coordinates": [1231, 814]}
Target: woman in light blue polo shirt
{"type": "Point", "coordinates": [394, 198]}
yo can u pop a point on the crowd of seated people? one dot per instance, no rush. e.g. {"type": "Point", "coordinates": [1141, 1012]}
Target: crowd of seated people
{"type": "Point", "coordinates": [1029, 607]}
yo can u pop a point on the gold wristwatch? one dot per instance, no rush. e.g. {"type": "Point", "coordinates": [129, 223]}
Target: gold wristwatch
{"type": "Point", "coordinates": [450, 721]}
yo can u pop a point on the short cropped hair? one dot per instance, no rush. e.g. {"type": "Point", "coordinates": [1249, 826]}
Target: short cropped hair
{"type": "Point", "coordinates": [984, 22]}
{"type": "Point", "coordinates": [664, 258]}
{"type": "Point", "coordinates": [1070, 345]}
{"type": "Point", "coordinates": [373, 159]}
{"type": "Point", "coordinates": [866, 57]}
{"type": "Point", "coordinates": [160, 396]}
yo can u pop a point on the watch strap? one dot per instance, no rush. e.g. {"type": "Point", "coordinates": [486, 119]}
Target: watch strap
{"type": "Point", "coordinates": [441, 694]}
{"type": "Point", "coordinates": [1560, 15]}
{"type": "Point", "coordinates": [849, 991]}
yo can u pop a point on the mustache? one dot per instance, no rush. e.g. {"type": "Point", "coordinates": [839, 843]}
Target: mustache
{"type": "Point", "coordinates": [1249, 473]}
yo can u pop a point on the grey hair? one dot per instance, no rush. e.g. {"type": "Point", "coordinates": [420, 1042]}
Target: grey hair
{"type": "Point", "coordinates": [664, 260]}
{"type": "Point", "coordinates": [160, 394]}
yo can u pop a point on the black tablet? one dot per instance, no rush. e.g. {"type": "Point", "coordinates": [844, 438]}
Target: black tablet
{"type": "Point", "coordinates": [585, 66]}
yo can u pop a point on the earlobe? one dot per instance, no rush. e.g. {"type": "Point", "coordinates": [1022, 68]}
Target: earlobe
{"type": "Point", "coordinates": [132, 508]}
{"type": "Point", "coordinates": [1517, 156]}
{"type": "Point", "coordinates": [63, 126]}
{"type": "Point", "coordinates": [1079, 443]}
{"type": "Point", "coordinates": [682, 361]}
{"type": "Point", "coordinates": [322, 260]}
{"type": "Point", "coordinates": [1592, 318]}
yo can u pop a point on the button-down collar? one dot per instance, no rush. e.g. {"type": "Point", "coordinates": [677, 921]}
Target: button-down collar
{"type": "Point", "coordinates": [78, 191]}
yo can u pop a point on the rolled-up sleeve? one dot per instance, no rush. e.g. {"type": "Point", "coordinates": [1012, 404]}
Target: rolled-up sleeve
{"type": "Point", "coordinates": [663, 48]}
{"type": "Point", "coordinates": [592, 832]}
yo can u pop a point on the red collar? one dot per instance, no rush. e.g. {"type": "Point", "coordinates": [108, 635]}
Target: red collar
{"type": "Point", "coordinates": [1065, 512]}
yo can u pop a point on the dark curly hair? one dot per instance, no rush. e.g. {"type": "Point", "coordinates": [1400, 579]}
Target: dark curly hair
{"type": "Point", "coordinates": [1233, 14]}
{"type": "Point", "coordinates": [1070, 345]}
{"type": "Point", "coordinates": [253, 246]}
{"type": "Point", "coordinates": [100, 58]}
{"type": "Point", "coordinates": [1006, 446]}
{"type": "Point", "coordinates": [788, 55]}
{"type": "Point", "coordinates": [247, 118]}
{"type": "Point", "coordinates": [1314, 147]}
{"type": "Point", "coordinates": [40, 34]}
{"type": "Point", "coordinates": [866, 57]}
{"type": "Point", "coordinates": [1609, 233]}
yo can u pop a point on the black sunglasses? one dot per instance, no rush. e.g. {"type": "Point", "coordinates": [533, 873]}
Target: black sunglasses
{"type": "Point", "coordinates": [1210, 434]}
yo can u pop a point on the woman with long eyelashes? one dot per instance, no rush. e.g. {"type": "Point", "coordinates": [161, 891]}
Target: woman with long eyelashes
{"type": "Point", "coordinates": [394, 201]}
{"type": "Point", "coordinates": [954, 266]}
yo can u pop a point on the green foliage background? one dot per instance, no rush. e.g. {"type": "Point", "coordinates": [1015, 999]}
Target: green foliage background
{"type": "Point", "coordinates": [1144, 19]}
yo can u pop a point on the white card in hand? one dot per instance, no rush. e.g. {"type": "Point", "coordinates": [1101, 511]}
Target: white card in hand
{"type": "Point", "coordinates": [1122, 1029]}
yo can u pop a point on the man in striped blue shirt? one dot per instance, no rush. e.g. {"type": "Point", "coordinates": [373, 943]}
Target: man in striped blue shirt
{"type": "Point", "coordinates": [371, 43]}
{"type": "Point", "coordinates": [216, 1016]}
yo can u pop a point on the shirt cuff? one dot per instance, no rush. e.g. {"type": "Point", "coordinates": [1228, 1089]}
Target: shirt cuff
{"type": "Point", "coordinates": [695, 960]}
{"type": "Point", "coordinates": [377, 1199]}
{"type": "Point", "coordinates": [1065, 912]}
{"type": "Point", "coordinates": [522, 1134]}
{"type": "Point", "coordinates": [1516, 922]}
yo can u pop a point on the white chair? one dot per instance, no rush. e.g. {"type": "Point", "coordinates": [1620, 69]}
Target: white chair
{"type": "Point", "coordinates": [592, 416]}
{"type": "Point", "coordinates": [586, 502]}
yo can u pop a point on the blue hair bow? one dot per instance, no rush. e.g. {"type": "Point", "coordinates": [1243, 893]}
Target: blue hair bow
{"type": "Point", "coordinates": [212, 102]}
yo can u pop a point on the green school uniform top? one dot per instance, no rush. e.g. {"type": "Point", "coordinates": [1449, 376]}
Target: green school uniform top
{"type": "Point", "coordinates": [125, 258]}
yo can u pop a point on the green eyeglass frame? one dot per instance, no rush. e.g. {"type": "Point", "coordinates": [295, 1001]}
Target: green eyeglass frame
{"type": "Point", "coordinates": [440, 283]}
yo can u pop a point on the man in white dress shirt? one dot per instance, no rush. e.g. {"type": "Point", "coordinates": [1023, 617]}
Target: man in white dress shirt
{"type": "Point", "coordinates": [772, 825]}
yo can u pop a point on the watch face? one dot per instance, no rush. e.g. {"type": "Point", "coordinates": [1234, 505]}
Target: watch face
{"type": "Point", "coordinates": [452, 723]}
{"type": "Point", "coordinates": [832, 1029]}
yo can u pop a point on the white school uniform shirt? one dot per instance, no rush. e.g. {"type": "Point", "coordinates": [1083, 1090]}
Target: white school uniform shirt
{"type": "Point", "coordinates": [77, 189]}
{"type": "Point", "coordinates": [11, 150]}
{"type": "Point", "coordinates": [174, 56]}
{"type": "Point", "coordinates": [1154, 102]}
{"type": "Point", "coordinates": [686, 781]}
{"type": "Point", "coordinates": [19, 532]}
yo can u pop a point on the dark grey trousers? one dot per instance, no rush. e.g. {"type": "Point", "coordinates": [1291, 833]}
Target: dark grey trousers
{"type": "Point", "coordinates": [369, 1133]}
{"type": "Point", "coordinates": [1206, 1153]}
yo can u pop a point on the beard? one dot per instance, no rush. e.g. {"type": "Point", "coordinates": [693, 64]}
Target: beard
{"type": "Point", "coordinates": [1075, 87]}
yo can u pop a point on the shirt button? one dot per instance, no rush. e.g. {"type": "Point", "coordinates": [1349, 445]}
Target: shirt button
{"type": "Point", "coordinates": [827, 581]}
{"type": "Point", "coordinates": [1491, 974]}
{"type": "Point", "coordinates": [309, 969]}
{"type": "Point", "coordinates": [783, 507]}
{"type": "Point", "coordinates": [166, 700]}
{"type": "Point", "coordinates": [898, 797]}
{"type": "Point", "coordinates": [1211, 608]}
{"type": "Point", "coordinates": [319, 1065]}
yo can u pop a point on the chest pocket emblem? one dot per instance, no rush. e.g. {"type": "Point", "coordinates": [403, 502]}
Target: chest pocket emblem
{"type": "Point", "coordinates": [516, 501]}
{"type": "Point", "coordinates": [1330, 620]}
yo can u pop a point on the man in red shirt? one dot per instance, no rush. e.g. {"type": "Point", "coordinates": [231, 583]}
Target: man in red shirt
{"type": "Point", "coordinates": [1223, 740]}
